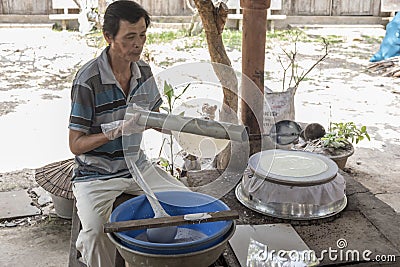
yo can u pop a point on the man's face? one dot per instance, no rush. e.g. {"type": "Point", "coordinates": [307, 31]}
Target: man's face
{"type": "Point", "coordinates": [128, 43]}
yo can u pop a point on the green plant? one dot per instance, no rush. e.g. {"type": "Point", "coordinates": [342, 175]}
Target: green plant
{"type": "Point", "coordinates": [232, 39]}
{"type": "Point", "coordinates": [287, 35]}
{"type": "Point", "coordinates": [57, 27]}
{"type": "Point", "coordinates": [169, 92]}
{"type": "Point", "coordinates": [334, 39]}
{"type": "Point", "coordinates": [292, 71]}
{"type": "Point", "coordinates": [343, 133]}
{"type": "Point", "coordinates": [172, 97]}
{"type": "Point", "coordinates": [164, 36]}
{"type": "Point", "coordinates": [372, 39]}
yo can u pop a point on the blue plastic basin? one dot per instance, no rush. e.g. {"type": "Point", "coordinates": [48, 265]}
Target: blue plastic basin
{"type": "Point", "coordinates": [175, 203]}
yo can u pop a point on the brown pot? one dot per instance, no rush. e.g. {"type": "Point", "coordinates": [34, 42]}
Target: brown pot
{"type": "Point", "coordinates": [341, 159]}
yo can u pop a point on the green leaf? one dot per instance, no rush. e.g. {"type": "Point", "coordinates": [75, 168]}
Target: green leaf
{"type": "Point", "coordinates": [177, 97]}
{"type": "Point", "coordinates": [164, 162]}
{"type": "Point", "coordinates": [169, 92]}
{"type": "Point", "coordinates": [165, 108]}
{"type": "Point", "coordinates": [184, 90]}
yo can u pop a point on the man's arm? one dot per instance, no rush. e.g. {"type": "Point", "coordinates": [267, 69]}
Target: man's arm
{"type": "Point", "coordinates": [80, 143]}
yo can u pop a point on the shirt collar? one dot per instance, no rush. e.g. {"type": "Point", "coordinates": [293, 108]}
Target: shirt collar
{"type": "Point", "coordinates": [107, 76]}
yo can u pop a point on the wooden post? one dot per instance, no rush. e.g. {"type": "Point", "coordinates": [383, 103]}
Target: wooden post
{"type": "Point", "coordinates": [253, 56]}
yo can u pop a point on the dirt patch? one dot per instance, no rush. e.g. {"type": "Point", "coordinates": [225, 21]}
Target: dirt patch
{"type": "Point", "coordinates": [8, 106]}
{"type": "Point", "coordinates": [17, 180]}
{"type": "Point", "coordinates": [44, 244]}
{"type": "Point", "coordinates": [50, 96]}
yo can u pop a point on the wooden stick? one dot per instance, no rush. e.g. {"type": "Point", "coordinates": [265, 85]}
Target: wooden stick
{"type": "Point", "coordinates": [196, 218]}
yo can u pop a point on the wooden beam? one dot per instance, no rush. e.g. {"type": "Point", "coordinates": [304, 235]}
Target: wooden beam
{"type": "Point", "coordinates": [196, 218]}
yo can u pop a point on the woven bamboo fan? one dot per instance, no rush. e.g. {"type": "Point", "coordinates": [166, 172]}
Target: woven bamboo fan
{"type": "Point", "coordinates": [56, 178]}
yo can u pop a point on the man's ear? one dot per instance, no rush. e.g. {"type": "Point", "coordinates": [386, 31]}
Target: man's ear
{"type": "Point", "coordinates": [107, 37]}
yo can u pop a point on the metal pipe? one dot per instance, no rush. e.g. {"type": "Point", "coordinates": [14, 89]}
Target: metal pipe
{"type": "Point", "coordinates": [210, 128]}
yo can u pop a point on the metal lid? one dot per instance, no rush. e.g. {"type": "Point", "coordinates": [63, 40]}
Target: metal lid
{"type": "Point", "coordinates": [290, 167]}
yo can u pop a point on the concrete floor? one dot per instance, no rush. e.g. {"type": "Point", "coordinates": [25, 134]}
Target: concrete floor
{"type": "Point", "coordinates": [366, 223]}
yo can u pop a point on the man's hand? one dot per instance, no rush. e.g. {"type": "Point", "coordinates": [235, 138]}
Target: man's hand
{"type": "Point", "coordinates": [131, 125]}
{"type": "Point", "coordinates": [116, 129]}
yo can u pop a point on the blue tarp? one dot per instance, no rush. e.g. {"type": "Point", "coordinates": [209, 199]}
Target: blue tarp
{"type": "Point", "coordinates": [390, 46]}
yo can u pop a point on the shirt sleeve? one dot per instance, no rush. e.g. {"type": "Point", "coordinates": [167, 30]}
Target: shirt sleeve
{"type": "Point", "coordinates": [82, 108]}
{"type": "Point", "coordinates": [154, 95]}
{"type": "Point", "coordinates": [149, 87]}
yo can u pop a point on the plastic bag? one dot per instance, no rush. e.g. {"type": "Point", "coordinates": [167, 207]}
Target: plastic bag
{"type": "Point", "coordinates": [390, 46]}
{"type": "Point", "coordinates": [278, 106]}
{"type": "Point", "coordinates": [259, 255]}
{"type": "Point", "coordinates": [128, 126]}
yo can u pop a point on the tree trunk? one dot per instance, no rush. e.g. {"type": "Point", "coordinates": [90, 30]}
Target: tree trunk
{"type": "Point", "coordinates": [102, 6]}
{"type": "Point", "coordinates": [213, 19]}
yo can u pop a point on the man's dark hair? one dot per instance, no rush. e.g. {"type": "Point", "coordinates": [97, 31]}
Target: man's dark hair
{"type": "Point", "coordinates": [123, 10]}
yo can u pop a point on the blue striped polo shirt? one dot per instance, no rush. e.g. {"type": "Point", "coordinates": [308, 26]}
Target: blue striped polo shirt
{"type": "Point", "coordinates": [97, 98]}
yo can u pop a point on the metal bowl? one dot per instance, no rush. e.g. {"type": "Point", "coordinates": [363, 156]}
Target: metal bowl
{"type": "Point", "coordinates": [294, 185]}
{"type": "Point", "coordinates": [292, 211]}
{"type": "Point", "coordinates": [201, 258]}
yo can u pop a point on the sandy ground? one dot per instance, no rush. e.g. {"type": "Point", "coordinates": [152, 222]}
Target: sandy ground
{"type": "Point", "coordinates": [37, 68]}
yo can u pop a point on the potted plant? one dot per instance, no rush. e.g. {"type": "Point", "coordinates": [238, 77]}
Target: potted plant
{"type": "Point", "coordinates": [336, 143]}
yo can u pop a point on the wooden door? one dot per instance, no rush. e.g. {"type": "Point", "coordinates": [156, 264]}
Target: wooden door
{"type": "Point", "coordinates": [353, 7]}
{"type": "Point", "coordinates": [390, 5]}
{"type": "Point", "coordinates": [312, 7]}
{"type": "Point", "coordinates": [165, 8]}
{"type": "Point", "coordinates": [24, 7]}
